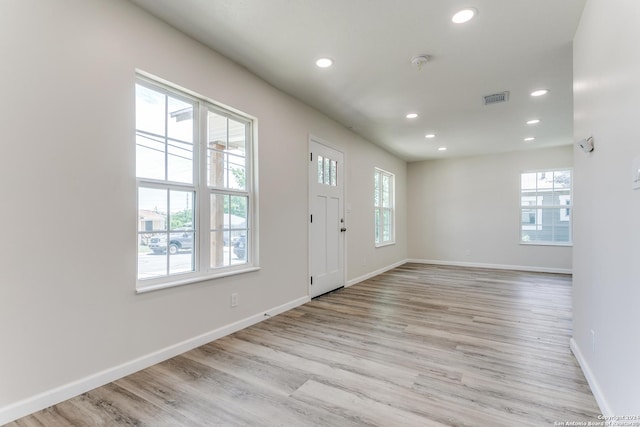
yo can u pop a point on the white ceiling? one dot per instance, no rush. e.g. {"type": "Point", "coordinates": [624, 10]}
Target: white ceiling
{"type": "Point", "coordinates": [511, 45]}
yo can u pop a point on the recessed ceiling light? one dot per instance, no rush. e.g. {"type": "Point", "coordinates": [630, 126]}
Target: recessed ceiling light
{"type": "Point", "coordinates": [430, 135]}
{"type": "Point", "coordinates": [465, 15]}
{"type": "Point", "coordinates": [412, 115]}
{"type": "Point", "coordinates": [529, 139]}
{"type": "Point", "coordinates": [442, 148]}
{"type": "Point", "coordinates": [539, 92]}
{"type": "Point", "coordinates": [533, 121]}
{"type": "Point", "coordinates": [324, 62]}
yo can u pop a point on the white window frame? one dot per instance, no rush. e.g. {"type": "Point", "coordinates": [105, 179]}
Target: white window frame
{"type": "Point", "coordinates": [201, 204]}
{"type": "Point", "coordinates": [378, 210]}
{"type": "Point", "coordinates": [566, 216]}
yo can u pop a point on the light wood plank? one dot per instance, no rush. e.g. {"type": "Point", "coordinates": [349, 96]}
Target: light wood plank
{"type": "Point", "coordinates": [418, 345]}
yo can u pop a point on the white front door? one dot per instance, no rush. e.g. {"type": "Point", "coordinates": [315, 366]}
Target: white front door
{"type": "Point", "coordinates": [326, 216]}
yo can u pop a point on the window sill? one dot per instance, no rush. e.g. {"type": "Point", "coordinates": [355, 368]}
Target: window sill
{"type": "Point", "coordinates": [570, 244]}
{"type": "Point", "coordinates": [142, 289]}
{"type": "Point", "coordinates": [382, 245]}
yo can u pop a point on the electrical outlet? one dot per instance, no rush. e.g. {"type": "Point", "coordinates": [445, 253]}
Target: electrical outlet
{"type": "Point", "coordinates": [234, 299]}
{"type": "Point", "coordinates": [593, 341]}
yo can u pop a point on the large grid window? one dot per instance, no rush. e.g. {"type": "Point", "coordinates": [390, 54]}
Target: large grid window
{"type": "Point", "coordinates": [383, 201]}
{"type": "Point", "coordinates": [546, 207]}
{"type": "Point", "coordinates": [194, 178]}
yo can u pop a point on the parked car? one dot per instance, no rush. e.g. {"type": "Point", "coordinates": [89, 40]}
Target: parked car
{"type": "Point", "coordinates": [240, 247]}
{"type": "Point", "coordinates": [178, 240]}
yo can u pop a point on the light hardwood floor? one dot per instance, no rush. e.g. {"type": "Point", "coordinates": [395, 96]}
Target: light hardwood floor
{"type": "Point", "coordinates": [416, 346]}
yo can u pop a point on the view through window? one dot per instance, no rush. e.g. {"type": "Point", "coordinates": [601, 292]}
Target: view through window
{"type": "Point", "coordinates": [546, 207]}
{"type": "Point", "coordinates": [194, 196]}
{"type": "Point", "coordinates": [383, 184]}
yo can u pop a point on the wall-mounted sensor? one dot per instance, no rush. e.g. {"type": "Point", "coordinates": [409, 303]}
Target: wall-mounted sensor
{"type": "Point", "coordinates": [586, 144]}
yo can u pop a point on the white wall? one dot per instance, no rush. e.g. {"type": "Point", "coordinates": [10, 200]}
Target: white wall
{"type": "Point", "coordinates": [68, 310]}
{"type": "Point", "coordinates": [607, 211]}
{"type": "Point", "coordinates": [364, 259]}
{"type": "Point", "coordinates": [465, 211]}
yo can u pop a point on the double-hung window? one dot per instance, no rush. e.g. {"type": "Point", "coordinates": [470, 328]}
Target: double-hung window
{"type": "Point", "coordinates": [546, 207]}
{"type": "Point", "coordinates": [384, 215]}
{"type": "Point", "coordinates": [195, 204]}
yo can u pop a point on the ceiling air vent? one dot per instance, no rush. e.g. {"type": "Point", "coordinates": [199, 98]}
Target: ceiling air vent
{"type": "Point", "coordinates": [496, 98]}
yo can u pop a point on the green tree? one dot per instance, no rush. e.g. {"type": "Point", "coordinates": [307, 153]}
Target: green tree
{"type": "Point", "coordinates": [240, 176]}
{"type": "Point", "coordinates": [237, 205]}
{"type": "Point", "coordinates": [182, 219]}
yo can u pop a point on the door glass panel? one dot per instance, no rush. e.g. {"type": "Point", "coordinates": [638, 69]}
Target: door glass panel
{"type": "Point", "coordinates": [320, 170]}
{"type": "Point", "coordinates": [327, 171]}
{"type": "Point", "coordinates": [334, 173]}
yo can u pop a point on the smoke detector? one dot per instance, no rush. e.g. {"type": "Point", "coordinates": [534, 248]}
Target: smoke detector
{"type": "Point", "coordinates": [419, 60]}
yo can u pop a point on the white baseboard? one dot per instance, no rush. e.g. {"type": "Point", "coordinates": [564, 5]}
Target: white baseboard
{"type": "Point", "coordinates": [603, 404]}
{"type": "Point", "coordinates": [51, 397]}
{"type": "Point", "coordinates": [374, 273]}
{"type": "Point", "coordinates": [494, 266]}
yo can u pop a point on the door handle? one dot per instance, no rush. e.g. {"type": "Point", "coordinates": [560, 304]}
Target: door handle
{"type": "Point", "coordinates": [342, 230]}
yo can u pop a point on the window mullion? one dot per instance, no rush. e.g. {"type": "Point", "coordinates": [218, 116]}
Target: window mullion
{"type": "Point", "coordinates": [225, 157]}
{"type": "Point", "coordinates": [204, 232]}
{"type": "Point", "coordinates": [168, 230]}
{"type": "Point", "coordinates": [166, 138]}
{"type": "Point", "coordinates": [248, 170]}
